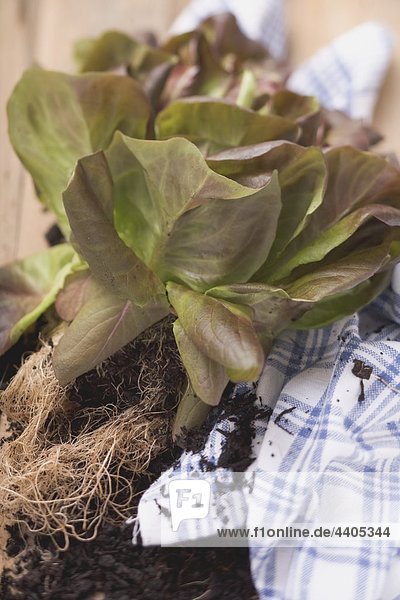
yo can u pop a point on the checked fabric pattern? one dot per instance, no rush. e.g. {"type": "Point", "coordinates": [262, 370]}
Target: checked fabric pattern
{"type": "Point", "coordinates": [352, 447]}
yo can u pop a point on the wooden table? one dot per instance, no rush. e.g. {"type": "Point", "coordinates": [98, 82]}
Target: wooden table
{"type": "Point", "coordinates": [43, 31]}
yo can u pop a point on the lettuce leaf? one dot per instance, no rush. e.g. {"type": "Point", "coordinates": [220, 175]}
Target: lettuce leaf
{"type": "Point", "coordinates": [29, 287]}
{"type": "Point", "coordinates": [105, 323]}
{"type": "Point", "coordinates": [220, 330]}
{"type": "Point", "coordinates": [302, 177]}
{"type": "Point", "coordinates": [55, 119]}
{"type": "Point", "coordinates": [207, 377]}
{"type": "Point", "coordinates": [341, 305]}
{"type": "Point", "coordinates": [198, 228]}
{"type": "Point", "coordinates": [217, 125]}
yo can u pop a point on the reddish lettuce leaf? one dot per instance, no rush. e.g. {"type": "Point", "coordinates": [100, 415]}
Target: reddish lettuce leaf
{"type": "Point", "coordinates": [105, 323]}
{"type": "Point", "coordinates": [221, 331]}
{"type": "Point", "coordinates": [207, 377]}
{"type": "Point", "coordinates": [194, 226]}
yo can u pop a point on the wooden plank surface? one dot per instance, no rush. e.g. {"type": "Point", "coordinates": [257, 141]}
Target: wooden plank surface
{"type": "Point", "coordinates": [43, 31]}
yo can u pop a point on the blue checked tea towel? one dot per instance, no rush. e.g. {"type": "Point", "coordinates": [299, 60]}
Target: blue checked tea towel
{"type": "Point", "coordinates": [351, 444]}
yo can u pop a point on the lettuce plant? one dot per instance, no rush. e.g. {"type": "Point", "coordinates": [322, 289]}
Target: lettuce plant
{"type": "Point", "coordinates": [225, 209]}
{"type": "Point", "coordinates": [237, 252]}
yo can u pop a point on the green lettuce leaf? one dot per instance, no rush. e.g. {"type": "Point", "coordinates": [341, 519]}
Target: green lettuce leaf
{"type": "Point", "coordinates": [292, 106]}
{"type": "Point", "coordinates": [55, 119]}
{"type": "Point", "coordinates": [221, 243]}
{"type": "Point", "coordinates": [125, 296]}
{"type": "Point", "coordinates": [247, 89]}
{"type": "Point", "coordinates": [191, 413]}
{"type": "Point", "coordinates": [198, 228]}
{"type": "Point", "coordinates": [199, 71]}
{"type": "Point", "coordinates": [216, 125]}
{"type": "Point", "coordinates": [29, 287]}
{"type": "Point", "coordinates": [208, 378]}
{"type": "Point", "coordinates": [355, 179]}
{"type": "Point", "coordinates": [342, 305]}
{"type": "Point", "coordinates": [105, 323]}
{"type": "Point", "coordinates": [338, 234]}
{"type": "Point", "coordinates": [113, 49]}
{"type": "Point", "coordinates": [110, 50]}
{"type": "Point", "coordinates": [341, 275]}
{"type": "Point", "coordinates": [273, 310]}
{"type": "Point", "coordinates": [88, 204]}
{"type": "Point", "coordinates": [302, 179]}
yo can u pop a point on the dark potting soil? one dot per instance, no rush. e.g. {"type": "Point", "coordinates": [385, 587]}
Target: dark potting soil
{"type": "Point", "coordinates": [110, 565]}
{"type": "Point", "coordinates": [54, 235]}
{"type": "Point", "coordinates": [116, 570]}
{"type": "Point", "coordinates": [11, 360]}
{"type": "Point", "coordinates": [241, 408]}
{"type": "Point", "coordinates": [120, 379]}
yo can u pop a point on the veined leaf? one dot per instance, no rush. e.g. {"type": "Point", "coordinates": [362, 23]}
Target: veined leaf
{"type": "Point", "coordinates": [272, 307]}
{"type": "Point", "coordinates": [199, 227]}
{"type": "Point", "coordinates": [341, 275]}
{"type": "Point", "coordinates": [355, 179]}
{"type": "Point", "coordinates": [55, 119]}
{"type": "Point", "coordinates": [208, 378]}
{"type": "Point", "coordinates": [220, 330]}
{"type": "Point", "coordinates": [74, 295]}
{"type": "Point", "coordinates": [341, 305]}
{"type": "Point", "coordinates": [216, 125]}
{"type": "Point", "coordinates": [221, 242]}
{"type": "Point", "coordinates": [302, 179]}
{"type": "Point", "coordinates": [338, 234]}
{"type": "Point", "coordinates": [105, 324]}
{"type": "Point", "coordinates": [28, 287]}
{"type": "Point", "coordinates": [88, 203]}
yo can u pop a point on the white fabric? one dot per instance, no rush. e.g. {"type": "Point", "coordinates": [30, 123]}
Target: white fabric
{"type": "Point", "coordinates": [347, 74]}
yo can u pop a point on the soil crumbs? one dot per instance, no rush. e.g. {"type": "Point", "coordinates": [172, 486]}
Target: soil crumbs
{"type": "Point", "coordinates": [110, 567]}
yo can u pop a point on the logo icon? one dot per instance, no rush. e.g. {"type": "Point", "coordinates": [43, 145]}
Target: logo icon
{"type": "Point", "coordinates": [189, 499]}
